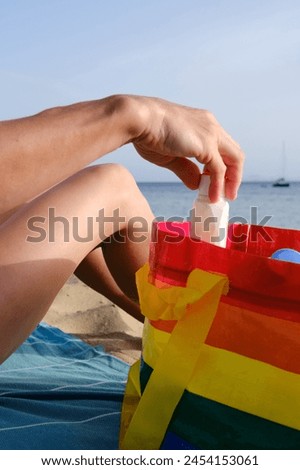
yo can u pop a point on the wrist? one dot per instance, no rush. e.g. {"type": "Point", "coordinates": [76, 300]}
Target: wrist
{"type": "Point", "coordinates": [133, 115]}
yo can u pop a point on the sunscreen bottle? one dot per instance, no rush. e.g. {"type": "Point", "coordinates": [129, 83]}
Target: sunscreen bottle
{"type": "Point", "coordinates": [209, 221]}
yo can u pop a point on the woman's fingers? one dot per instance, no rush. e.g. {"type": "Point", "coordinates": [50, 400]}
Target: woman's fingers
{"type": "Point", "coordinates": [186, 170]}
{"type": "Point", "coordinates": [217, 171]}
{"type": "Point", "coordinates": [233, 157]}
{"type": "Point", "coordinates": [224, 161]}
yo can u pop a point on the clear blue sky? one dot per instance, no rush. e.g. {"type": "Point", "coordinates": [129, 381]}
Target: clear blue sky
{"type": "Point", "coordinates": [238, 58]}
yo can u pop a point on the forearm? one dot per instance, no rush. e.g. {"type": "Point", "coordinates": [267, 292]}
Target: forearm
{"type": "Point", "coordinates": [39, 151]}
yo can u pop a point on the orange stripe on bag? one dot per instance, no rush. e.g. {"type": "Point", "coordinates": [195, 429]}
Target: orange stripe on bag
{"type": "Point", "coordinates": [244, 332]}
{"type": "Point", "coordinates": [267, 339]}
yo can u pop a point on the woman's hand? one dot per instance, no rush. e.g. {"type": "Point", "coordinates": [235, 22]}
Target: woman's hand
{"type": "Point", "coordinates": [172, 134]}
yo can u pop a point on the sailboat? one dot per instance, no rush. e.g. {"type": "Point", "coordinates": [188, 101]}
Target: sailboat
{"type": "Point", "coordinates": [282, 182]}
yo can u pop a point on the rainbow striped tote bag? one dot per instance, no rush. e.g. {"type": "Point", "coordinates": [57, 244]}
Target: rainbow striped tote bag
{"type": "Point", "coordinates": [220, 367]}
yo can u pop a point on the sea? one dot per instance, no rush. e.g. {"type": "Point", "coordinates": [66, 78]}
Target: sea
{"type": "Point", "coordinates": [257, 203]}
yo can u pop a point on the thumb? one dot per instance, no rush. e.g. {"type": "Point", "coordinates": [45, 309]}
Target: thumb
{"type": "Point", "coordinates": [186, 170]}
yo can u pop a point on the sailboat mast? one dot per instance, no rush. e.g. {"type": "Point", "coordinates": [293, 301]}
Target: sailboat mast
{"type": "Point", "coordinates": [281, 182]}
{"type": "Point", "coordinates": [283, 160]}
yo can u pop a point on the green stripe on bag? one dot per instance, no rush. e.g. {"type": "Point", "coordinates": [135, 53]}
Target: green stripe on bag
{"type": "Point", "coordinates": [207, 424]}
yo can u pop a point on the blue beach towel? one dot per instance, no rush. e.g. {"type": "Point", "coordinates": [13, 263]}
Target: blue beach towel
{"type": "Point", "coordinates": [57, 392]}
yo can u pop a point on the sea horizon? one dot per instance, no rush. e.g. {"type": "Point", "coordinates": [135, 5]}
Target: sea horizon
{"type": "Point", "coordinates": [258, 202]}
{"type": "Point", "coordinates": [243, 182]}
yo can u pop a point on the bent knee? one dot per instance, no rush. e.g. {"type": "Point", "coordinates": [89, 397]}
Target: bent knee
{"type": "Point", "coordinates": [118, 175]}
{"type": "Point", "coordinates": [113, 171]}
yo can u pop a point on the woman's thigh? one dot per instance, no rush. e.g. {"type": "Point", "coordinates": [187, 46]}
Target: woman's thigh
{"type": "Point", "coordinates": [43, 243]}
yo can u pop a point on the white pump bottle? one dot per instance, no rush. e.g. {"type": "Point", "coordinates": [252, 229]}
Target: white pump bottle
{"type": "Point", "coordinates": [209, 221]}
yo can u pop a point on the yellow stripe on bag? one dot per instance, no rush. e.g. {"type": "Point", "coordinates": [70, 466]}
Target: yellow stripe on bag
{"type": "Point", "coordinates": [169, 303]}
{"type": "Point", "coordinates": [248, 385]}
{"type": "Point", "coordinates": [131, 398]}
{"type": "Point", "coordinates": [236, 381]}
{"type": "Point", "coordinates": [196, 306]}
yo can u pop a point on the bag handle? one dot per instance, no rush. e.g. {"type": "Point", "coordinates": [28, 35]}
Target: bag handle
{"type": "Point", "coordinates": [194, 306]}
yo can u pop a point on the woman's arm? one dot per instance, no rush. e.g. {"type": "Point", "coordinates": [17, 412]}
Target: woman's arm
{"type": "Point", "coordinates": [39, 151]}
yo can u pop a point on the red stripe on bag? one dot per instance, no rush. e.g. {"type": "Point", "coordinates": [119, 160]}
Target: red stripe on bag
{"type": "Point", "coordinates": [173, 255]}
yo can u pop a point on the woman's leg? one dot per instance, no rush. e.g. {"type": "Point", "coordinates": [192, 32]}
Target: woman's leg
{"type": "Point", "coordinates": [44, 242]}
{"type": "Point", "coordinates": [93, 271]}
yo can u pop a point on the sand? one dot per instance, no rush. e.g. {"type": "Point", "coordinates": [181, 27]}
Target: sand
{"type": "Point", "coordinates": [83, 312]}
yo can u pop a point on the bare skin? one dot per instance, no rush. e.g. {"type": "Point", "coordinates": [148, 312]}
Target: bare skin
{"type": "Point", "coordinates": [94, 272]}
{"type": "Point", "coordinates": [41, 167]}
{"type": "Point", "coordinates": [33, 272]}
{"type": "Point", "coordinates": [39, 151]}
